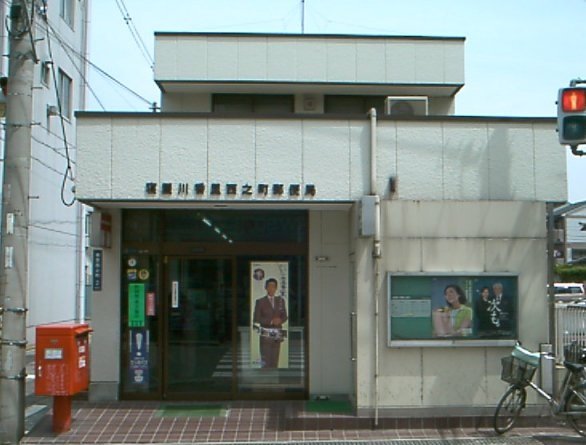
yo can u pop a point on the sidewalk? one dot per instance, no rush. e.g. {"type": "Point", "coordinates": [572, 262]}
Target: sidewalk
{"type": "Point", "coordinates": [271, 422]}
{"type": "Point", "coordinates": [153, 422]}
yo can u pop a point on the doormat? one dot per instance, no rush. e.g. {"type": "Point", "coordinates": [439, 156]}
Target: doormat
{"type": "Point", "coordinates": [192, 411]}
{"type": "Point", "coordinates": [329, 406]}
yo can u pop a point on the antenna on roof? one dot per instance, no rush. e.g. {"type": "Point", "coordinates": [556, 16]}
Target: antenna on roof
{"type": "Point", "coordinates": [302, 16]}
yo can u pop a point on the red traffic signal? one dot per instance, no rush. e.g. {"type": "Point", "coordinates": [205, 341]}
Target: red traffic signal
{"type": "Point", "coordinates": [573, 100]}
{"type": "Point", "coordinates": [572, 116]}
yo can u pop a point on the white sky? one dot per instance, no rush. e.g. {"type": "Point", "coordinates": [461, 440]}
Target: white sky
{"type": "Point", "coordinates": [518, 53]}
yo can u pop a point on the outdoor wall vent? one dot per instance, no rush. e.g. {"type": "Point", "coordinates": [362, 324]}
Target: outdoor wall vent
{"type": "Point", "coordinates": [406, 106]}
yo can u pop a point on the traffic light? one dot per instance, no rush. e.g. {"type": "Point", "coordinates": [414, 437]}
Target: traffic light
{"type": "Point", "coordinates": [572, 116]}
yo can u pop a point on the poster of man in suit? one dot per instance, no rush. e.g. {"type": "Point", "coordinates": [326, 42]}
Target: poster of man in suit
{"type": "Point", "coordinates": [269, 348]}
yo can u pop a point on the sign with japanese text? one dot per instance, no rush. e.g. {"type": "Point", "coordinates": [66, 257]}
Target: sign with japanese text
{"type": "Point", "coordinates": [453, 307]}
{"type": "Point", "coordinates": [136, 305]}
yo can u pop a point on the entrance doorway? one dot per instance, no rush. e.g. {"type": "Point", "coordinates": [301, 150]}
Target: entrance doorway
{"type": "Point", "coordinates": [198, 344]}
{"type": "Point", "coordinates": [189, 330]}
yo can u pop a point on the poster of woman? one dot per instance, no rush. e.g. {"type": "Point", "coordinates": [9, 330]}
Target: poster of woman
{"type": "Point", "coordinates": [269, 293]}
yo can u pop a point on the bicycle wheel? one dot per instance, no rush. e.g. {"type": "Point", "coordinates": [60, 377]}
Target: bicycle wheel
{"type": "Point", "coordinates": [508, 408]}
{"type": "Point", "coordinates": [575, 406]}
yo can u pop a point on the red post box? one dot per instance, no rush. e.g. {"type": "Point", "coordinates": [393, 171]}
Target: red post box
{"type": "Point", "coordinates": [62, 367]}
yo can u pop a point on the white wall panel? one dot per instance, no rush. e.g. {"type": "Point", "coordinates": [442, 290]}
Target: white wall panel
{"type": "Point", "coordinates": [94, 160]}
{"type": "Point", "coordinates": [400, 62]}
{"type": "Point", "coordinates": [222, 60]}
{"type": "Point", "coordinates": [420, 161]}
{"type": "Point", "coordinates": [190, 57]}
{"type": "Point", "coordinates": [341, 61]}
{"type": "Point", "coordinates": [184, 151]}
{"type": "Point", "coordinates": [387, 156]}
{"type": "Point", "coordinates": [429, 62]}
{"type": "Point", "coordinates": [278, 157]}
{"type": "Point", "coordinates": [136, 159]}
{"type": "Point", "coordinates": [550, 170]}
{"type": "Point", "coordinates": [453, 62]}
{"type": "Point", "coordinates": [370, 61]}
{"type": "Point", "coordinates": [231, 151]}
{"type": "Point", "coordinates": [312, 60]}
{"type": "Point", "coordinates": [166, 50]}
{"type": "Point", "coordinates": [511, 160]}
{"type": "Point", "coordinates": [465, 165]}
{"type": "Point", "coordinates": [359, 159]}
{"type": "Point", "coordinates": [463, 219]}
{"type": "Point", "coordinates": [455, 161]}
{"type": "Point", "coordinates": [282, 60]}
{"type": "Point", "coordinates": [326, 157]}
{"type": "Point", "coordinates": [252, 59]}
{"type": "Point", "coordinates": [452, 255]}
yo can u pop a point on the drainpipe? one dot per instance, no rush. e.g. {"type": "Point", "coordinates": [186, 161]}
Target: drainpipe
{"type": "Point", "coordinates": [376, 255]}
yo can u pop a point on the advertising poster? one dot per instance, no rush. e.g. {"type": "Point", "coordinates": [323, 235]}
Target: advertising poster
{"type": "Point", "coordinates": [452, 307]}
{"type": "Point", "coordinates": [138, 363]}
{"type": "Point", "coordinates": [269, 307]}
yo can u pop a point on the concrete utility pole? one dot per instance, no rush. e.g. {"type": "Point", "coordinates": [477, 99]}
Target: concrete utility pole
{"type": "Point", "coordinates": [15, 219]}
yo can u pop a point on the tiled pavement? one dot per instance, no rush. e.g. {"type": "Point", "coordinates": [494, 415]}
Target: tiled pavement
{"type": "Point", "coordinates": [142, 422]}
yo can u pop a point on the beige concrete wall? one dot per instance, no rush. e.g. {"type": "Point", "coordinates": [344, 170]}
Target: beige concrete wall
{"type": "Point", "coordinates": [449, 237]}
{"type": "Point", "coordinates": [330, 365]}
{"type": "Point", "coordinates": [105, 344]}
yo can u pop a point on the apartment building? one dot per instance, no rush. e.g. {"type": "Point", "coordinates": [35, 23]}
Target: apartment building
{"type": "Point", "coordinates": [56, 223]}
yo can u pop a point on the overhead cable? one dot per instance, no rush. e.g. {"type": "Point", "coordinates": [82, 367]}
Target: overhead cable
{"type": "Point", "coordinates": [135, 34]}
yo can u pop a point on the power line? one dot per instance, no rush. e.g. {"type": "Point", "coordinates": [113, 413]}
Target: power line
{"type": "Point", "coordinates": [68, 169]}
{"type": "Point", "coordinates": [78, 69]}
{"type": "Point", "coordinates": [135, 34]}
{"type": "Point", "coordinates": [82, 57]}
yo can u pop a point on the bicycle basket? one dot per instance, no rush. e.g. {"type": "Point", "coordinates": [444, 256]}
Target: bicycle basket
{"type": "Point", "coordinates": [575, 353]}
{"type": "Point", "coordinates": [516, 371]}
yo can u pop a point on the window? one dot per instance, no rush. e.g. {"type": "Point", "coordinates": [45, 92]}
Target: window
{"type": "Point", "coordinates": [354, 104]}
{"type": "Point", "coordinates": [66, 11]}
{"type": "Point", "coordinates": [64, 91]}
{"type": "Point", "coordinates": [253, 103]}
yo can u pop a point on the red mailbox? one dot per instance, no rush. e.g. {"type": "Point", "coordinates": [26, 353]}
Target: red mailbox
{"type": "Point", "coordinates": [62, 367]}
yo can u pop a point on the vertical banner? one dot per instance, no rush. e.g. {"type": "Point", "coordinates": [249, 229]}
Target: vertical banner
{"type": "Point", "coordinates": [269, 307]}
{"type": "Point", "coordinates": [138, 362]}
{"type": "Point", "coordinates": [97, 271]}
{"type": "Point", "coordinates": [136, 305]}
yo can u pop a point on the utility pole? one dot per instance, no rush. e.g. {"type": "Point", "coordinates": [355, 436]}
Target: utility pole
{"type": "Point", "coordinates": [15, 220]}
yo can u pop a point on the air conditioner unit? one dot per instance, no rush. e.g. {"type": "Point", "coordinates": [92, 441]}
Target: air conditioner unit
{"type": "Point", "coordinates": [406, 106]}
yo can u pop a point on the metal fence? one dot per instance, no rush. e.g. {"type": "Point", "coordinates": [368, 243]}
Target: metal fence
{"type": "Point", "coordinates": [570, 327]}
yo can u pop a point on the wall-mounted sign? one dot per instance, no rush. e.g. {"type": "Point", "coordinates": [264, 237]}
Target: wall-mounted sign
{"type": "Point", "coordinates": [202, 190]}
{"type": "Point", "coordinates": [97, 269]}
{"type": "Point", "coordinates": [440, 310]}
{"type": "Point", "coordinates": [136, 305]}
{"type": "Point", "coordinates": [138, 362]}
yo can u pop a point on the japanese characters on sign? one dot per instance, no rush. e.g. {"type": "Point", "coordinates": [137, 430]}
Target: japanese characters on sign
{"type": "Point", "coordinates": [201, 190]}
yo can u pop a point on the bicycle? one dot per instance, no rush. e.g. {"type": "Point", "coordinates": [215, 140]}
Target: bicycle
{"type": "Point", "coordinates": [518, 370]}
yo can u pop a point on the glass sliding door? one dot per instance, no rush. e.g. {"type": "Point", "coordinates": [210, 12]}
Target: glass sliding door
{"type": "Point", "coordinates": [195, 320]}
{"type": "Point", "coordinates": [198, 349]}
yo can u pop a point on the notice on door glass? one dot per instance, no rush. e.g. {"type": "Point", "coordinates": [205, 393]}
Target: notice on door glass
{"type": "Point", "coordinates": [136, 305]}
{"type": "Point", "coordinates": [175, 294]}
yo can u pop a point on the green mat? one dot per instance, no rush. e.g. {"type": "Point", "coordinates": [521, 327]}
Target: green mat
{"type": "Point", "coordinates": [328, 406]}
{"type": "Point", "coordinates": [192, 411]}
